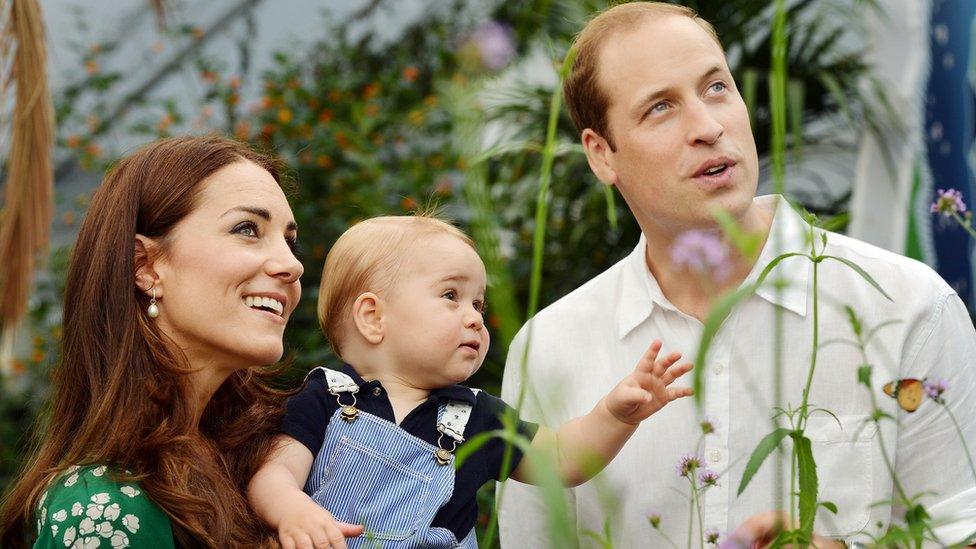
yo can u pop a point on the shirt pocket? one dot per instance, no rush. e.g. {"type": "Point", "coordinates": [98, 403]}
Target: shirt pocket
{"type": "Point", "coordinates": [843, 449]}
{"type": "Point", "coordinates": [362, 486]}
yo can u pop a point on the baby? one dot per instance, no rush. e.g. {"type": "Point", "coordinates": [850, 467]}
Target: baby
{"type": "Point", "coordinates": [402, 302]}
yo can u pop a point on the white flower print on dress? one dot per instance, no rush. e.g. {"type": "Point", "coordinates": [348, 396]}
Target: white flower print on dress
{"type": "Point", "coordinates": [54, 530]}
{"type": "Point", "coordinates": [105, 529]}
{"type": "Point", "coordinates": [43, 517]}
{"type": "Point", "coordinates": [119, 539]}
{"type": "Point", "coordinates": [77, 509]}
{"type": "Point", "coordinates": [71, 480]}
{"type": "Point", "coordinates": [60, 515]}
{"type": "Point", "coordinates": [87, 543]}
{"type": "Point", "coordinates": [94, 511]}
{"type": "Point", "coordinates": [101, 498]}
{"type": "Point", "coordinates": [129, 491]}
{"type": "Point", "coordinates": [131, 522]}
{"type": "Point", "coordinates": [69, 536]}
{"type": "Point", "coordinates": [112, 511]}
{"type": "Point", "coordinates": [87, 526]}
{"type": "Point", "coordinates": [99, 471]}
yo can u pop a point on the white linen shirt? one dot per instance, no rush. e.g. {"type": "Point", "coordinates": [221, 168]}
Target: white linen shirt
{"type": "Point", "coordinates": [585, 343]}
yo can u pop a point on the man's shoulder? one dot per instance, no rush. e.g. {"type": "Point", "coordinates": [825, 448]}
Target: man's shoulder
{"type": "Point", "coordinates": [591, 301]}
{"type": "Point", "coordinates": [898, 271]}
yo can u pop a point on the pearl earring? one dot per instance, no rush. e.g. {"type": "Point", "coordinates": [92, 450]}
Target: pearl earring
{"type": "Point", "coordinates": [153, 310]}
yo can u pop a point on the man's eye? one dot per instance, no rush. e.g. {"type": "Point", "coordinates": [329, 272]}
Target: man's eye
{"type": "Point", "coordinates": [246, 228]}
{"type": "Point", "coordinates": [718, 87]}
{"type": "Point", "coordinates": [660, 107]}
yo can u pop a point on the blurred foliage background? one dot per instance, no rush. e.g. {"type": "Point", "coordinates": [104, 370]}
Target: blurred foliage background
{"type": "Point", "coordinates": [370, 127]}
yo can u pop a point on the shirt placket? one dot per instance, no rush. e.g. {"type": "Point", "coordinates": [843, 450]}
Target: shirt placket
{"type": "Point", "coordinates": [716, 445]}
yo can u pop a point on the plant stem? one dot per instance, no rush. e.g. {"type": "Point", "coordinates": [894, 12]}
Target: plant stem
{"type": "Point", "coordinates": [962, 437]}
{"type": "Point", "coordinates": [964, 224]}
{"type": "Point", "coordinates": [696, 505]}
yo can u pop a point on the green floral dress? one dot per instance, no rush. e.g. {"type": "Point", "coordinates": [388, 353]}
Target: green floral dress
{"type": "Point", "coordinates": [85, 508]}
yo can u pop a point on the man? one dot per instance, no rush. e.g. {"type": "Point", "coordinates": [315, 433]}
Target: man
{"type": "Point", "coordinates": [661, 119]}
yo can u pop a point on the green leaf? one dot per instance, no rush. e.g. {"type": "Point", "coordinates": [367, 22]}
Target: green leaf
{"type": "Point", "coordinates": [830, 506]}
{"type": "Point", "coordinates": [807, 471]}
{"type": "Point", "coordinates": [864, 274]}
{"type": "Point", "coordinates": [853, 320]}
{"type": "Point", "coordinates": [759, 455]}
{"type": "Point", "coordinates": [611, 206]}
{"type": "Point", "coordinates": [747, 243]}
{"type": "Point", "coordinates": [864, 375]}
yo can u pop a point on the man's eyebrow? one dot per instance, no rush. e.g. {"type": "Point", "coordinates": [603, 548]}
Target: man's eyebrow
{"type": "Point", "coordinates": [260, 212]}
{"type": "Point", "coordinates": [641, 109]}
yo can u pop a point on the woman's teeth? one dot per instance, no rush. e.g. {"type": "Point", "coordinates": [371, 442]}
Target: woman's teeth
{"type": "Point", "coordinates": [268, 303]}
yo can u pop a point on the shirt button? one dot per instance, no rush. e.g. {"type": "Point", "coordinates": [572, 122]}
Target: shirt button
{"type": "Point", "coordinates": [715, 456]}
{"type": "Point", "coordinates": [717, 369]}
{"type": "Point", "coordinates": [377, 391]}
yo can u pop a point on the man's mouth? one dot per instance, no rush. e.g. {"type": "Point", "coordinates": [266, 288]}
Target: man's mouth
{"type": "Point", "coordinates": [714, 167]}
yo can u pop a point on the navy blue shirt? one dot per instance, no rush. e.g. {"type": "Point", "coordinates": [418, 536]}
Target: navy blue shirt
{"type": "Point", "coordinates": [308, 413]}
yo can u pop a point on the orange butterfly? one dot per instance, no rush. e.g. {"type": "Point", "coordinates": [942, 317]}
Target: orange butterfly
{"type": "Point", "coordinates": [909, 392]}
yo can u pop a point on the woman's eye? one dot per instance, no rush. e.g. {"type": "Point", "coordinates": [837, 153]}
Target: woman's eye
{"type": "Point", "coordinates": [246, 228]}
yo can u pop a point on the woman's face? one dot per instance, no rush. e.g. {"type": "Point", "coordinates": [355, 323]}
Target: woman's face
{"type": "Point", "coordinates": [227, 278]}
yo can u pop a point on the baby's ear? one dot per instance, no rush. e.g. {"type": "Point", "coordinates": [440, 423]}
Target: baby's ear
{"type": "Point", "coordinates": [366, 313]}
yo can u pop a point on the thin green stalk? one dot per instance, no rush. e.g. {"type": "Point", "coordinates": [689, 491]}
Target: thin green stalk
{"type": "Point", "coordinates": [538, 246]}
{"type": "Point", "coordinates": [962, 437]}
{"type": "Point", "coordinates": [964, 224]}
{"type": "Point", "coordinates": [667, 539]}
{"type": "Point", "coordinates": [695, 511]}
{"type": "Point", "coordinates": [777, 104]}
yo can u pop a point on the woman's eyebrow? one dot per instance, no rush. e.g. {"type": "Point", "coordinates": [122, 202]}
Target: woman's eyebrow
{"type": "Point", "coordinates": [260, 212]}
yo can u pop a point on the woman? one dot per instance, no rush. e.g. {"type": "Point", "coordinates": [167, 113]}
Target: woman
{"type": "Point", "coordinates": [183, 277]}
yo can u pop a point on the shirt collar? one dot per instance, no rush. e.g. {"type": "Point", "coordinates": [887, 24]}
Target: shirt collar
{"type": "Point", "coordinates": [789, 233]}
{"type": "Point", "coordinates": [639, 291]}
{"type": "Point", "coordinates": [452, 392]}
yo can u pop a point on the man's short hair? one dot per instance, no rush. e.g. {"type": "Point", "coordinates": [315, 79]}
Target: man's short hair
{"type": "Point", "coordinates": [586, 100]}
{"type": "Point", "coordinates": [367, 258]}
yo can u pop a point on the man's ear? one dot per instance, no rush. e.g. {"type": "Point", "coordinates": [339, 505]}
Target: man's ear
{"type": "Point", "coordinates": [599, 156]}
{"type": "Point", "coordinates": [367, 313]}
{"type": "Point", "coordinates": [146, 252]}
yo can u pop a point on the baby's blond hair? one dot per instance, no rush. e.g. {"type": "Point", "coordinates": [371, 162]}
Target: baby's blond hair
{"type": "Point", "coordinates": [366, 258]}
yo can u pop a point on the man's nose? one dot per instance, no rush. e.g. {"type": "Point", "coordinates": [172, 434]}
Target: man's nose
{"type": "Point", "coordinates": [703, 128]}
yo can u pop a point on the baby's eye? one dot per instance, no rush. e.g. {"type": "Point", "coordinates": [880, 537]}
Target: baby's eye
{"type": "Point", "coordinates": [450, 294]}
{"type": "Point", "coordinates": [479, 306]}
{"type": "Point", "coordinates": [247, 228]}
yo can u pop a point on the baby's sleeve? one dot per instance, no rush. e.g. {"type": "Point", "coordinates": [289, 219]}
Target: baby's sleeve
{"type": "Point", "coordinates": [307, 413]}
{"type": "Point", "coordinates": [86, 508]}
{"type": "Point", "coordinates": [495, 448]}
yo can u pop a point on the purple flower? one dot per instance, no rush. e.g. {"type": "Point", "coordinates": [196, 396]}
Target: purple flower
{"type": "Point", "coordinates": [735, 542]}
{"type": "Point", "coordinates": [702, 252]}
{"type": "Point", "coordinates": [707, 477]}
{"type": "Point", "coordinates": [948, 203]}
{"type": "Point", "coordinates": [709, 425]}
{"type": "Point", "coordinates": [934, 388]}
{"type": "Point", "coordinates": [688, 464]}
{"type": "Point", "coordinates": [495, 43]}
{"type": "Point", "coordinates": [654, 518]}
{"type": "Point", "coordinates": [711, 536]}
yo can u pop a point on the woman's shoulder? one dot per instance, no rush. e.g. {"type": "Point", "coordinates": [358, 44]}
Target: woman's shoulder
{"type": "Point", "coordinates": [90, 507]}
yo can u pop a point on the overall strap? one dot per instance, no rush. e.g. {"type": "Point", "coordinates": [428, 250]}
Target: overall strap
{"type": "Point", "coordinates": [452, 418]}
{"type": "Point", "coordinates": [340, 384]}
{"type": "Point", "coordinates": [338, 381]}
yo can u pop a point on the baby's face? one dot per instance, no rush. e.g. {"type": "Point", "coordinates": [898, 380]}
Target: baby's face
{"type": "Point", "coordinates": [433, 314]}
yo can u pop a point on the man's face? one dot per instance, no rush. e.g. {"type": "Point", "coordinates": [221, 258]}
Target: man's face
{"type": "Point", "coordinates": [681, 130]}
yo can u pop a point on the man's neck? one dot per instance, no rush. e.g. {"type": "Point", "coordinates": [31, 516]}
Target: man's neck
{"type": "Point", "coordinates": [695, 293]}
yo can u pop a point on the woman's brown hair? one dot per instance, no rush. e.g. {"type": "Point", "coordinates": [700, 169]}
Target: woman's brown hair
{"type": "Point", "coordinates": [120, 393]}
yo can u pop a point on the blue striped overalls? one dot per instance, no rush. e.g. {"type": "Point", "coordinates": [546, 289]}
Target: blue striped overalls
{"type": "Point", "coordinates": [369, 471]}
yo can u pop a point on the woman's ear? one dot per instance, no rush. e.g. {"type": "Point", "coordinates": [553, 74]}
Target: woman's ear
{"type": "Point", "coordinates": [146, 252]}
{"type": "Point", "coordinates": [367, 313]}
